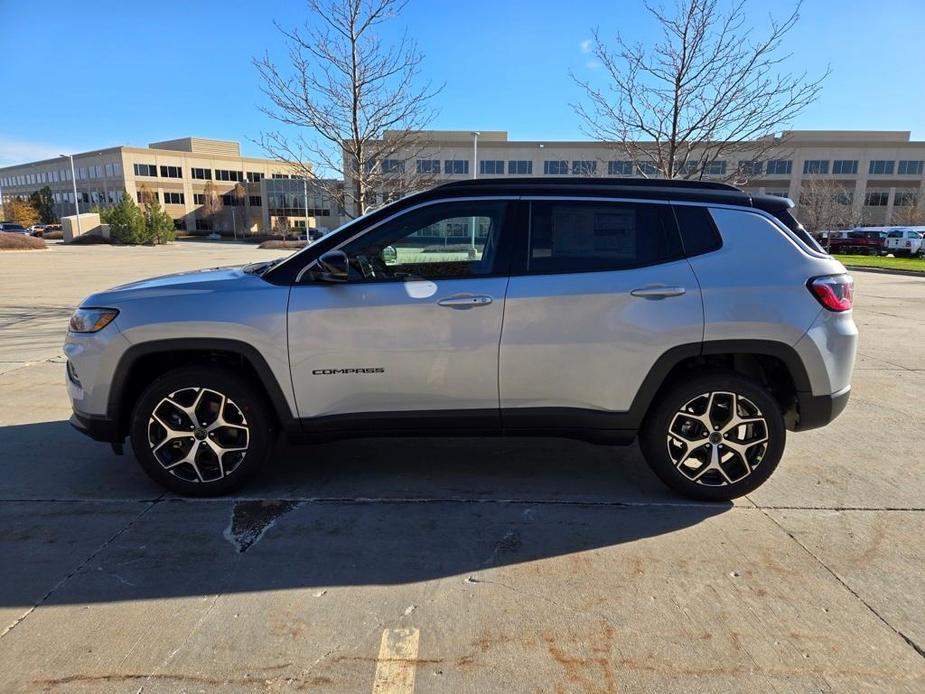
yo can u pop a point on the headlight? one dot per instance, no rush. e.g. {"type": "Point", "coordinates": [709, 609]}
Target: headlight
{"type": "Point", "coordinates": [91, 320]}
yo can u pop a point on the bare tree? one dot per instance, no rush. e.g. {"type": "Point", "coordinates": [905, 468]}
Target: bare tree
{"type": "Point", "coordinates": [341, 91]}
{"type": "Point", "coordinates": [908, 209]}
{"type": "Point", "coordinates": [706, 90]}
{"type": "Point", "coordinates": [212, 203]}
{"type": "Point", "coordinates": [826, 205]}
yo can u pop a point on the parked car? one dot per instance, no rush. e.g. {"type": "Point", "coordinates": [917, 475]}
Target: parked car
{"type": "Point", "coordinates": [37, 229]}
{"type": "Point", "coordinates": [904, 243]}
{"type": "Point", "coordinates": [703, 320]}
{"type": "Point", "coordinates": [13, 228]}
{"type": "Point", "coordinates": [858, 242]}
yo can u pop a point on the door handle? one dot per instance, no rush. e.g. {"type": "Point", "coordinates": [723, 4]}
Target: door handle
{"type": "Point", "coordinates": [465, 301]}
{"type": "Point", "coordinates": [658, 292]}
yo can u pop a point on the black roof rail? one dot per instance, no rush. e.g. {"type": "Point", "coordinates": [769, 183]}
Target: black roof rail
{"type": "Point", "coordinates": [540, 181]}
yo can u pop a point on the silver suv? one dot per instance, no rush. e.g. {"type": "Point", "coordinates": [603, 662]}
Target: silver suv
{"type": "Point", "coordinates": [698, 318]}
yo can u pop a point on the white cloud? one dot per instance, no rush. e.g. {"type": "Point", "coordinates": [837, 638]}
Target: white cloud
{"type": "Point", "coordinates": [593, 65]}
{"type": "Point", "coordinates": [15, 151]}
{"type": "Point", "coordinates": [585, 46]}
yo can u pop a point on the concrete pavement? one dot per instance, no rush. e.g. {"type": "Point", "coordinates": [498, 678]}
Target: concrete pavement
{"type": "Point", "coordinates": [453, 565]}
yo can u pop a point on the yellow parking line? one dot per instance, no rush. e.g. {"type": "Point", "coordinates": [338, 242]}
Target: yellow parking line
{"type": "Point", "coordinates": [397, 662]}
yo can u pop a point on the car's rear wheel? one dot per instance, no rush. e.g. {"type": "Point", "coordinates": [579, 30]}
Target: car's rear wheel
{"type": "Point", "coordinates": [201, 431]}
{"type": "Point", "coordinates": [715, 437]}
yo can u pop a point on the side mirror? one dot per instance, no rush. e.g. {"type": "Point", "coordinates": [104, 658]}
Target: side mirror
{"type": "Point", "coordinates": [333, 266]}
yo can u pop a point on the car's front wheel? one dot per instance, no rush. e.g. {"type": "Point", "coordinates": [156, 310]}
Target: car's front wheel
{"type": "Point", "coordinates": [715, 437]}
{"type": "Point", "coordinates": [200, 431]}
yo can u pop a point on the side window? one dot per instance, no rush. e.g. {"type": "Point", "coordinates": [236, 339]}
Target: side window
{"type": "Point", "coordinates": [449, 240]}
{"type": "Point", "coordinates": [590, 236]}
{"type": "Point", "coordinates": [698, 230]}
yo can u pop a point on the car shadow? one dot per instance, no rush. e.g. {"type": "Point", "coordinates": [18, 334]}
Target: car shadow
{"type": "Point", "coordinates": [360, 512]}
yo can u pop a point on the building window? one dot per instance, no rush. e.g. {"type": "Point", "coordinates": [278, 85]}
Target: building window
{"type": "Point", "coordinates": [201, 174]}
{"type": "Point", "coordinates": [584, 167]}
{"type": "Point", "coordinates": [521, 167]}
{"type": "Point", "coordinates": [455, 166]}
{"type": "Point", "coordinates": [816, 166]}
{"type": "Point", "coordinates": [910, 168]}
{"type": "Point", "coordinates": [279, 175]}
{"type": "Point", "coordinates": [750, 168]}
{"type": "Point", "coordinates": [140, 170]}
{"type": "Point", "coordinates": [173, 198]}
{"type": "Point", "coordinates": [845, 166]}
{"type": "Point", "coordinates": [254, 176]}
{"type": "Point", "coordinates": [226, 175]}
{"type": "Point", "coordinates": [199, 198]}
{"type": "Point", "coordinates": [491, 166]}
{"type": "Point", "coordinates": [393, 166]}
{"type": "Point", "coordinates": [144, 196]}
{"type": "Point", "coordinates": [428, 166]}
{"type": "Point", "coordinates": [203, 225]}
{"type": "Point", "coordinates": [555, 167]}
{"type": "Point", "coordinates": [906, 198]}
{"type": "Point", "coordinates": [255, 200]}
{"type": "Point", "coordinates": [715, 168]}
{"type": "Point", "coordinates": [171, 172]}
{"type": "Point", "coordinates": [780, 167]}
{"type": "Point", "coordinates": [645, 168]}
{"type": "Point", "coordinates": [881, 166]}
{"type": "Point", "coordinates": [877, 198]}
{"type": "Point", "coordinates": [232, 200]}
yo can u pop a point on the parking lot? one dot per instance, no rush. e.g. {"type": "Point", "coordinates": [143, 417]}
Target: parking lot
{"type": "Point", "coordinates": [391, 565]}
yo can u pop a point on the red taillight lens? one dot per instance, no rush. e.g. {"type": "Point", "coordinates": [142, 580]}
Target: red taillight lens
{"type": "Point", "coordinates": [835, 292]}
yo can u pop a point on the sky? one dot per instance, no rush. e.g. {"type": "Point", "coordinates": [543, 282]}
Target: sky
{"type": "Point", "coordinates": [83, 75]}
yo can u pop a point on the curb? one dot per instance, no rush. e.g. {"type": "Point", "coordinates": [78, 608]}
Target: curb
{"type": "Point", "coordinates": [886, 271]}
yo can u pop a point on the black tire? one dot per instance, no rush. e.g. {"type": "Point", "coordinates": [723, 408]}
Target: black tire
{"type": "Point", "coordinates": [714, 484]}
{"type": "Point", "coordinates": [245, 408]}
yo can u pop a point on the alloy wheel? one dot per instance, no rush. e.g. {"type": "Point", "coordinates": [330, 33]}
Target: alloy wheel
{"type": "Point", "coordinates": [717, 438]}
{"type": "Point", "coordinates": [198, 434]}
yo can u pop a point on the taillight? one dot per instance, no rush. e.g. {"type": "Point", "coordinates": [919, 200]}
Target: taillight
{"type": "Point", "coordinates": [834, 292]}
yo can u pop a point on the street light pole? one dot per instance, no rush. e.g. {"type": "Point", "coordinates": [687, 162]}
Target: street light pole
{"type": "Point", "coordinates": [74, 181]}
{"type": "Point", "coordinates": [305, 194]}
{"type": "Point", "coordinates": [475, 168]}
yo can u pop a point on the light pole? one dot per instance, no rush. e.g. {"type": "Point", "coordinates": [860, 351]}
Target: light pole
{"type": "Point", "coordinates": [305, 194]}
{"type": "Point", "coordinates": [74, 181]}
{"type": "Point", "coordinates": [475, 164]}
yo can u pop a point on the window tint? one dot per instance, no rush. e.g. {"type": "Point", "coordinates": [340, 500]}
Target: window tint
{"type": "Point", "coordinates": [587, 236]}
{"type": "Point", "coordinates": [698, 231]}
{"type": "Point", "coordinates": [443, 241]}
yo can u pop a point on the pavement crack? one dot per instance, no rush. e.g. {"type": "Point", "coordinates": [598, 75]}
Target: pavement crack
{"type": "Point", "coordinates": [251, 519]}
{"type": "Point", "coordinates": [916, 647]}
{"type": "Point", "coordinates": [80, 566]}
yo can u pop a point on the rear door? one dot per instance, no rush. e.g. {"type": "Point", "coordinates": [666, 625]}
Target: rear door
{"type": "Point", "coordinates": [599, 291]}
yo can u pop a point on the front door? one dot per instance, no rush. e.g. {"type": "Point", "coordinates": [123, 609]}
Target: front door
{"type": "Point", "coordinates": [413, 333]}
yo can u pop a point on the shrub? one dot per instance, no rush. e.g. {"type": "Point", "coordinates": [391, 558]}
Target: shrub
{"type": "Point", "coordinates": [277, 244]}
{"type": "Point", "coordinates": [20, 242]}
{"type": "Point", "coordinates": [90, 239]}
{"type": "Point", "coordinates": [126, 222]}
{"type": "Point", "coordinates": [53, 235]}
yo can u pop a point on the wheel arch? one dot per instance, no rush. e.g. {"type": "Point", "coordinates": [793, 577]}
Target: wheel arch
{"type": "Point", "coordinates": [775, 364]}
{"type": "Point", "coordinates": [141, 363]}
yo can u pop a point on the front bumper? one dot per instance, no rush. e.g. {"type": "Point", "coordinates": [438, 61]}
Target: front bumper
{"type": "Point", "coordinates": [96, 427]}
{"type": "Point", "coordinates": [818, 410]}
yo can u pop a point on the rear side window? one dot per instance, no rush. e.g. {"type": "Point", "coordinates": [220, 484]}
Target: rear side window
{"type": "Point", "coordinates": [698, 231]}
{"type": "Point", "coordinates": [588, 236]}
{"type": "Point", "coordinates": [789, 221]}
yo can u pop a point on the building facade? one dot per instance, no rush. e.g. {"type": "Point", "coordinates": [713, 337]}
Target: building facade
{"type": "Point", "coordinates": [253, 194]}
{"type": "Point", "coordinates": [877, 175]}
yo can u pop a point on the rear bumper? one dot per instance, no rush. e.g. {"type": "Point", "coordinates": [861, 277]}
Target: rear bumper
{"type": "Point", "coordinates": [97, 428]}
{"type": "Point", "coordinates": [818, 410]}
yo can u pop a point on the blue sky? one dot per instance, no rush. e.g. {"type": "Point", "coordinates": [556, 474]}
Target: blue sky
{"type": "Point", "coordinates": [138, 72]}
